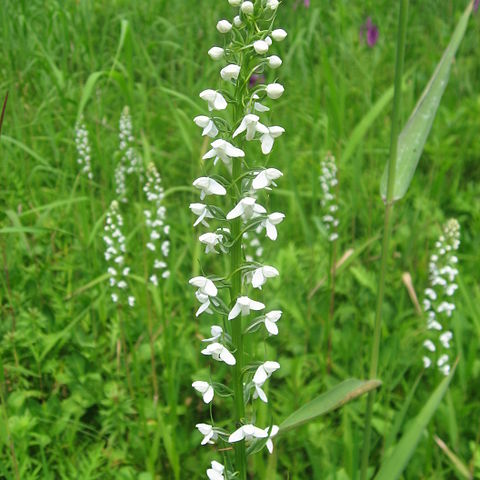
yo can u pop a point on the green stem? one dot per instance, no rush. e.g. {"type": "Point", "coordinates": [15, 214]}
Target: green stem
{"type": "Point", "coordinates": [389, 201]}
{"type": "Point", "coordinates": [237, 337]}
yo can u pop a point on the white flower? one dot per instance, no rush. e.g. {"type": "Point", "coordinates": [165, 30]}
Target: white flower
{"type": "Point", "coordinates": [205, 303]}
{"type": "Point", "coordinates": [260, 46]}
{"type": "Point", "coordinates": [279, 34]}
{"type": "Point", "coordinates": [204, 285]}
{"type": "Point", "coordinates": [251, 124]}
{"type": "Point", "coordinates": [230, 72]}
{"type": "Point", "coordinates": [211, 239]}
{"type": "Point", "coordinates": [272, 4]}
{"type": "Point", "coordinates": [274, 90]}
{"type": "Point", "coordinates": [208, 186]}
{"type": "Point", "coordinates": [247, 8]}
{"type": "Point", "coordinates": [209, 434]}
{"type": "Point", "coordinates": [202, 211]}
{"type": "Point", "coordinates": [224, 26]}
{"type": "Point", "coordinates": [270, 222]}
{"type": "Point", "coordinates": [263, 373]}
{"type": "Point", "coordinates": [271, 319]}
{"type": "Point", "coordinates": [445, 339]}
{"type": "Point", "coordinates": [274, 61]}
{"type": "Point", "coordinates": [246, 208]}
{"type": "Point", "coordinates": [205, 389]}
{"type": "Point", "coordinates": [442, 360]}
{"type": "Point", "coordinates": [247, 432]}
{"type": "Point", "coordinates": [209, 128]}
{"type": "Point", "coordinates": [131, 301]}
{"type": "Point", "coordinates": [269, 41]}
{"type": "Point", "coordinates": [216, 53]}
{"type": "Point", "coordinates": [265, 178]}
{"type": "Point", "coordinates": [268, 138]}
{"type": "Point", "coordinates": [258, 106]}
{"type": "Point", "coordinates": [428, 344]}
{"type": "Point", "coordinates": [234, 3]}
{"type": "Point", "coordinates": [216, 332]}
{"type": "Point", "coordinates": [237, 21]}
{"type": "Point", "coordinates": [219, 353]}
{"type": "Point", "coordinates": [223, 150]}
{"type": "Point", "coordinates": [260, 275]}
{"type": "Point", "coordinates": [216, 472]}
{"type": "Point", "coordinates": [427, 362]}
{"type": "Point", "coordinates": [243, 305]}
{"type": "Point", "coordinates": [214, 99]}
{"type": "Point", "coordinates": [273, 431]}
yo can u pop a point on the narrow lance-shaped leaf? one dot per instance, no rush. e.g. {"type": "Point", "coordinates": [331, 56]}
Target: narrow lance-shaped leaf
{"type": "Point", "coordinates": [328, 401]}
{"type": "Point", "coordinates": [414, 135]}
{"type": "Point", "coordinates": [395, 463]}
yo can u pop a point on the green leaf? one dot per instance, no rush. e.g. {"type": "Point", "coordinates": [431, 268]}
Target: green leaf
{"type": "Point", "coordinates": [414, 135]}
{"type": "Point", "coordinates": [88, 90]}
{"type": "Point", "coordinates": [329, 401]}
{"type": "Point", "coordinates": [395, 463]}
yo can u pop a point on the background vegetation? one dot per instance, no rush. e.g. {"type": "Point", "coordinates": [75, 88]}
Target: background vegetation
{"type": "Point", "coordinates": [66, 410]}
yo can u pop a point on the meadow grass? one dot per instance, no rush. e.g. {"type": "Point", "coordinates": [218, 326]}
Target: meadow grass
{"type": "Point", "coordinates": [67, 410]}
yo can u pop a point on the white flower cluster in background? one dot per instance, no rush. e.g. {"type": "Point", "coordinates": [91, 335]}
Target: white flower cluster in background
{"type": "Point", "coordinates": [328, 182]}
{"type": "Point", "coordinates": [115, 252]}
{"type": "Point", "coordinates": [83, 149]}
{"type": "Point", "coordinates": [438, 302]}
{"type": "Point", "coordinates": [130, 163]}
{"type": "Point", "coordinates": [158, 231]}
{"type": "Point", "coordinates": [231, 199]}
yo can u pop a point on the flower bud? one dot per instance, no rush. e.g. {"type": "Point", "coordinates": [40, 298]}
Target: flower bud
{"type": "Point", "coordinates": [269, 41]}
{"type": "Point", "coordinates": [272, 4]}
{"type": "Point", "coordinates": [274, 90]}
{"type": "Point", "coordinates": [247, 8]}
{"type": "Point", "coordinates": [224, 26]}
{"type": "Point", "coordinates": [274, 61]}
{"type": "Point", "coordinates": [230, 72]}
{"type": "Point", "coordinates": [216, 53]}
{"type": "Point", "coordinates": [234, 3]}
{"type": "Point", "coordinates": [237, 21]}
{"type": "Point", "coordinates": [260, 46]}
{"type": "Point", "coordinates": [279, 34]}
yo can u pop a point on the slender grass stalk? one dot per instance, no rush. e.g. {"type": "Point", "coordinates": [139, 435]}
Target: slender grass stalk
{"type": "Point", "coordinates": [399, 62]}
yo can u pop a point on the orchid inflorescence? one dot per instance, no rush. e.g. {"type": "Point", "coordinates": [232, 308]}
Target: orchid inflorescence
{"type": "Point", "coordinates": [238, 187]}
{"type": "Point", "coordinates": [328, 182]}
{"type": "Point", "coordinates": [438, 301]}
{"type": "Point", "coordinates": [115, 256]}
{"type": "Point", "coordinates": [158, 232]}
{"type": "Point", "coordinates": [83, 149]}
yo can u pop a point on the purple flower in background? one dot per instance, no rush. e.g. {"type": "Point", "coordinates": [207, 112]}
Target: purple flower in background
{"type": "Point", "coordinates": [306, 4]}
{"type": "Point", "coordinates": [255, 80]}
{"type": "Point", "coordinates": [370, 32]}
{"type": "Point", "coordinates": [475, 6]}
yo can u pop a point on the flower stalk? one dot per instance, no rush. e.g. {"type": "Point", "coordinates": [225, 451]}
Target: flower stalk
{"type": "Point", "coordinates": [389, 202]}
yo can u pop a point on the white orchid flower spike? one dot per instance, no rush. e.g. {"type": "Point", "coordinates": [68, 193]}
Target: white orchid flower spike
{"type": "Point", "coordinates": [247, 432]}
{"type": "Point", "coordinates": [215, 100]}
{"type": "Point", "coordinates": [243, 305]}
{"type": "Point", "coordinates": [205, 389]}
{"type": "Point", "coordinates": [246, 208]}
{"type": "Point", "coordinates": [260, 275]}
{"type": "Point", "coordinates": [220, 353]}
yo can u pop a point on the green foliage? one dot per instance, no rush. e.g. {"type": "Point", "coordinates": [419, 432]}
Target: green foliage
{"type": "Point", "coordinates": [66, 409]}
